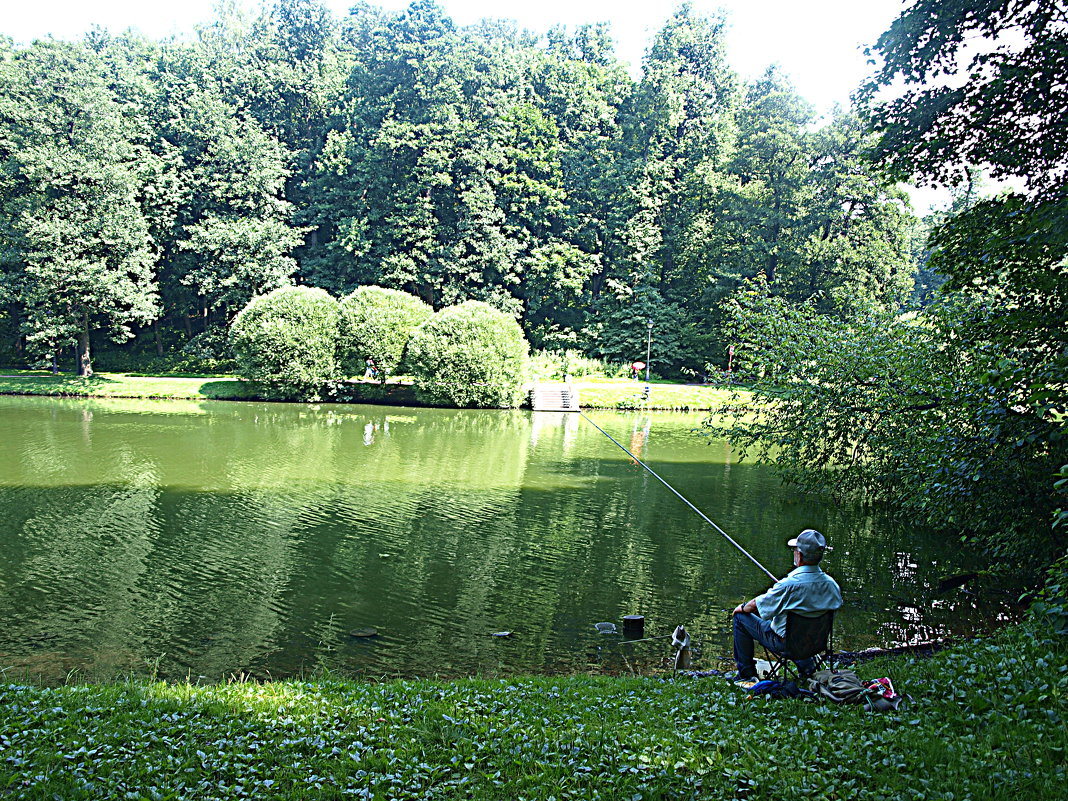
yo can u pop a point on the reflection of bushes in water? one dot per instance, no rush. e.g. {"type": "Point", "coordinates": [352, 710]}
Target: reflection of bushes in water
{"type": "Point", "coordinates": [464, 560]}
{"type": "Point", "coordinates": [459, 422]}
{"type": "Point", "coordinates": [473, 449]}
{"type": "Point", "coordinates": [375, 445]}
{"type": "Point", "coordinates": [234, 558]}
{"type": "Point", "coordinates": [259, 444]}
{"type": "Point", "coordinates": [213, 582]}
{"type": "Point", "coordinates": [546, 564]}
{"type": "Point", "coordinates": [80, 553]}
{"type": "Point", "coordinates": [473, 548]}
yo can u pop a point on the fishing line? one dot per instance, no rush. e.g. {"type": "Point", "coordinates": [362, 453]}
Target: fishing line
{"type": "Point", "coordinates": [680, 496]}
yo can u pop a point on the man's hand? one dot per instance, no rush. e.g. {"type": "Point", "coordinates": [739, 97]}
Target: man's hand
{"type": "Point", "coordinates": [740, 608]}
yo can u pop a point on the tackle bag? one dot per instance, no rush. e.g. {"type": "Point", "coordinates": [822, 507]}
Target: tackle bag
{"type": "Point", "coordinates": [845, 687]}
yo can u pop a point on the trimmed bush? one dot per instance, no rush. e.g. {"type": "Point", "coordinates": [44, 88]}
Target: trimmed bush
{"type": "Point", "coordinates": [376, 324]}
{"type": "Point", "coordinates": [288, 339]}
{"type": "Point", "coordinates": [468, 355]}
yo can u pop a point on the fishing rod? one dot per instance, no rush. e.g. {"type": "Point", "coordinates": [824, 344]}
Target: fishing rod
{"type": "Point", "coordinates": [682, 498]}
{"type": "Point", "coordinates": [645, 639]}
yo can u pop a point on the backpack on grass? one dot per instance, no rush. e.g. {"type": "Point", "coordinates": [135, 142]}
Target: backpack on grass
{"type": "Point", "coordinates": [840, 686]}
{"type": "Point", "coordinates": [845, 687]}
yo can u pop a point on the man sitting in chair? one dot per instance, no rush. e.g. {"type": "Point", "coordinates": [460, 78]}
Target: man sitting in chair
{"type": "Point", "coordinates": [805, 590]}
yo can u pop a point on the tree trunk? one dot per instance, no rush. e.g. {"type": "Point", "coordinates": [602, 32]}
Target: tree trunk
{"type": "Point", "coordinates": [55, 363]}
{"type": "Point", "coordinates": [159, 341]}
{"type": "Point", "coordinates": [773, 267]}
{"type": "Point", "coordinates": [85, 366]}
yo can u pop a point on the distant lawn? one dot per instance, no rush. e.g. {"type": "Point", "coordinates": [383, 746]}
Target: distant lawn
{"type": "Point", "coordinates": [122, 385]}
{"type": "Point", "coordinates": [597, 393]}
{"type": "Point", "coordinates": [623, 393]}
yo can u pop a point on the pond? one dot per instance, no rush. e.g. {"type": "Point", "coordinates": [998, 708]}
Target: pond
{"type": "Point", "coordinates": [208, 540]}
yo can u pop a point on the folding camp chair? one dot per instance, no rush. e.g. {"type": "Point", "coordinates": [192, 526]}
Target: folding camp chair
{"type": "Point", "coordinates": [806, 637]}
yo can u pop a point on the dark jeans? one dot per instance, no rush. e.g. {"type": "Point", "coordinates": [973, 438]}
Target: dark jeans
{"type": "Point", "coordinates": [750, 629]}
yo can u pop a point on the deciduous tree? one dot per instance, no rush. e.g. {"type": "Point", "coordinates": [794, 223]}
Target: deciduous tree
{"type": "Point", "coordinates": [75, 241]}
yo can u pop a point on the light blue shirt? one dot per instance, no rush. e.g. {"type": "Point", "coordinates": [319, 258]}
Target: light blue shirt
{"type": "Point", "coordinates": [806, 590]}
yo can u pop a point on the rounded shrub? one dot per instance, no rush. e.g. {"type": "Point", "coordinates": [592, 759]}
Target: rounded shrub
{"type": "Point", "coordinates": [468, 355]}
{"type": "Point", "coordinates": [376, 323]}
{"type": "Point", "coordinates": [288, 339]}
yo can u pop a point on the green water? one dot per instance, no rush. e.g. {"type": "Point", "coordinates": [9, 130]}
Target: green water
{"type": "Point", "coordinates": [215, 539]}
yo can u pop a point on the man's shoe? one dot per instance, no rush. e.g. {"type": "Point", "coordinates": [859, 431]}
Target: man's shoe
{"type": "Point", "coordinates": [739, 678]}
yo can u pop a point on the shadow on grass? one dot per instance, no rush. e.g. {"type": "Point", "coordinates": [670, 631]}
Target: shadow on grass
{"type": "Point", "coordinates": [61, 384]}
{"type": "Point", "coordinates": [230, 389]}
{"type": "Point", "coordinates": [348, 392]}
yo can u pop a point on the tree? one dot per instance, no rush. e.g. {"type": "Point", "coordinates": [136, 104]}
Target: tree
{"type": "Point", "coordinates": [1003, 109]}
{"type": "Point", "coordinates": [376, 324]}
{"type": "Point", "coordinates": [75, 239]}
{"type": "Point", "coordinates": [894, 409]}
{"type": "Point", "coordinates": [772, 164]}
{"type": "Point", "coordinates": [983, 85]}
{"type": "Point", "coordinates": [928, 280]}
{"type": "Point", "coordinates": [469, 355]}
{"type": "Point", "coordinates": [807, 209]}
{"type": "Point", "coordinates": [985, 89]}
{"type": "Point", "coordinates": [231, 237]}
{"type": "Point", "coordinates": [288, 340]}
{"type": "Point", "coordinates": [404, 185]}
{"type": "Point", "coordinates": [296, 72]}
{"type": "Point", "coordinates": [957, 416]}
{"type": "Point", "coordinates": [580, 87]}
{"type": "Point", "coordinates": [678, 130]}
{"type": "Point", "coordinates": [857, 226]}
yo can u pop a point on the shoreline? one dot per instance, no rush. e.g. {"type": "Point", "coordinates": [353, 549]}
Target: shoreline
{"type": "Point", "coordinates": [612, 394]}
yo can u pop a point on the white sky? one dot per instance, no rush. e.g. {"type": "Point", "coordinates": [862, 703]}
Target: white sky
{"type": "Point", "coordinates": [819, 43]}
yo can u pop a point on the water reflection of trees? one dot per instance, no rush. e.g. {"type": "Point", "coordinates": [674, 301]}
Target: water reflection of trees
{"type": "Point", "coordinates": [253, 537]}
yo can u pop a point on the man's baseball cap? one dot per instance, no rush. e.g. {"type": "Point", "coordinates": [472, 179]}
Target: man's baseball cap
{"type": "Point", "coordinates": [810, 542]}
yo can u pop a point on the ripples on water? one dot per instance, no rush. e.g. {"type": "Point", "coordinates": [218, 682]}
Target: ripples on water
{"type": "Point", "coordinates": [205, 540]}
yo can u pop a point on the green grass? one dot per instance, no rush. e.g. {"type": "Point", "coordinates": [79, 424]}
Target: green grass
{"type": "Point", "coordinates": [599, 393]}
{"type": "Point", "coordinates": [623, 393]}
{"type": "Point", "coordinates": [987, 722]}
{"type": "Point", "coordinates": [184, 387]}
{"type": "Point", "coordinates": [121, 385]}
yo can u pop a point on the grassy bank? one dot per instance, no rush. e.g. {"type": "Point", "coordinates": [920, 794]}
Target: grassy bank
{"type": "Point", "coordinates": [608, 393]}
{"type": "Point", "coordinates": [988, 721]}
{"type": "Point", "coordinates": [122, 385]}
{"type": "Point", "coordinates": [621, 393]}
{"type": "Point", "coordinates": [127, 385]}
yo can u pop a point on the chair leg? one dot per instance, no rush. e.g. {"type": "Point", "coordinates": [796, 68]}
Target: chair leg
{"type": "Point", "coordinates": [779, 664]}
{"type": "Point", "coordinates": [824, 661]}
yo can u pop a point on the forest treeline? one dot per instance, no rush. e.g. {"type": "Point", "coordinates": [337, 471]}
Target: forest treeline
{"type": "Point", "coordinates": [150, 189]}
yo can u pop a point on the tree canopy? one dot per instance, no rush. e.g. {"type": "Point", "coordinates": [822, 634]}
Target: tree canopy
{"type": "Point", "coordinates": [452, 163]}
{"type": "Point", "coordinates": [955, 416]}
